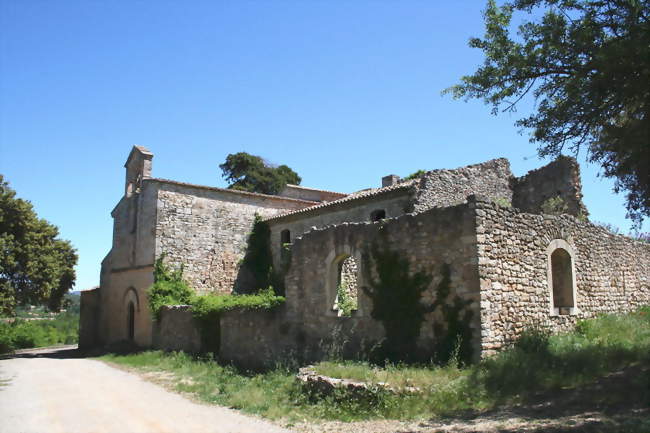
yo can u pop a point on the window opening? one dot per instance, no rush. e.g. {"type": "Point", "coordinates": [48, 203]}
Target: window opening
{"type": "Point", "coordinates": [377, 215]}
{"type": "Point", "coordinates": [346, 300]}
{"type": "Point", "coordinates": [562, 274]}
{"type": "Point", "coordinates": [285, 237]}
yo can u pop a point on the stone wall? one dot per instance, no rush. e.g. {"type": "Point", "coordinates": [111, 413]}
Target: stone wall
{"type": "Point", "coordinates": [308, 328]}
{"type": "Point", "coordinates": [440, 188]}
{"type": "Point", "coordinates": [88, 318]}
{"type": "Point", "coordinates": [395, 203]}
{"type": "Point", "coordinates": [560, 178]}
{"type": "Point", "coordinates": [206, 230]}
{"type": "Point", "coordinates": [176, 329]}
{"type": "Point", "coordinates": [611, 272]}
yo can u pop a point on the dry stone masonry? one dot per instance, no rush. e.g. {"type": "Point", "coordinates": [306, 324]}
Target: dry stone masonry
{"type": "Point", "coordinates": [511, 265]}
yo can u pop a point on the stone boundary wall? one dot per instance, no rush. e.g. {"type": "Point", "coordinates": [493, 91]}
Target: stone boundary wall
{"type": "Point", "coordinates": [176, 329]}
{"type": "Point", "coordinates": [207, 231]}
{"type": "Point", "coordinates": [307, 328]}
{"type": "Point", "coordinates": [612, 272]}
{"type": "Point", "coordinates": [441, 188]}
{"type": "Point", "coordinates": [89, 319]}
{"type": "Point", "coordinates": [559, 178]}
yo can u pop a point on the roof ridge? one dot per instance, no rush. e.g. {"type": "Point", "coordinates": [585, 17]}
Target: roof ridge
{"type": "Point", "coordinates": [348, 198]}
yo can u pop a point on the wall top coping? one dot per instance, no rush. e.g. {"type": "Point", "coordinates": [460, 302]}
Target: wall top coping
{"type": "Point", "coordinates": [292, 186]}
{"type": "Point", "coordinates": [230, 191]}
{"type": "Point", "coordinates": [370, 193]}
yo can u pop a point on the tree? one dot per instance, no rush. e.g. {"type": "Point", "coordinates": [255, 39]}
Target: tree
{"type": "Point", "coordinates": [246, 172]}
{"type": "Point", "coordinates": [35, 266]}
{"type": "Point", "coordinates": [587, 65]}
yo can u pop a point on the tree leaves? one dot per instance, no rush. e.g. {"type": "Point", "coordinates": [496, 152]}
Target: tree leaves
{"type": "Point", "coordinates": [36, 266]}
{"type": "Point", "coordinates": [587, 65]}
{"type": "Point", "coordinates": [246, 172]}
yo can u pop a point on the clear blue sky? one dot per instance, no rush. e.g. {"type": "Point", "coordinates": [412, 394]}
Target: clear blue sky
{"type": "Point", "coordinates": [343, 92]}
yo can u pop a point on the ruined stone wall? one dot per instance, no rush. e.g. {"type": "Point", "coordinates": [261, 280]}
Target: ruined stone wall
{"type": "Point", "coordinates": [440, 188]}
{"type": "Point", "coordinates": [612, 273]}
{"type": "Point", "coordinates": [308, 328]}
{"type": "Point", "coordinates": [207, 229]}
{"type": "Point", "coordinates": [560, 178]}
{"type": "Point", "coordinates": [176, 329]}
{"type": "Point", "coordinates": [395, 204]}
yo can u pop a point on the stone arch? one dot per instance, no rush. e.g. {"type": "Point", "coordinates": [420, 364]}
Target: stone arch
{"type": "Point", "coordinates": [131, 303]}
{"type": "Point", "coordinates": [561, 278]}
{"type": "Point", "coordinates": [347, 282]}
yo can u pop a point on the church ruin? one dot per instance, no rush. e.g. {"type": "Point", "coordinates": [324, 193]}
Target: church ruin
{"type": "Point", "coordinates": [511, 265]}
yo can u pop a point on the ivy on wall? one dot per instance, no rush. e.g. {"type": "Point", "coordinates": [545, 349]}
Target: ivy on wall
{"type": "Point", "coordinates": [259, 262]}
{"type": "Point", "coordinates": [395, 296]}
{"type": "Point", "coordinates": [169, 287]}
{"type": "Point", "coordinates": [452, 330]}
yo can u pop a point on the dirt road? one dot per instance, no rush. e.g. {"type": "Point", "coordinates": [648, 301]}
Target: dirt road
{"type": "Point", "coordinates": [53, 391]}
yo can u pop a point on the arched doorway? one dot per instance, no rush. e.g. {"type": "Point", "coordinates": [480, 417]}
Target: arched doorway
{"type": "Point", "coordinates": [130, 321]}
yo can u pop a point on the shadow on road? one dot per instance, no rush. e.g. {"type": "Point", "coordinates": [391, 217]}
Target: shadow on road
{"type": "Point", "coordinates": [56, 352]}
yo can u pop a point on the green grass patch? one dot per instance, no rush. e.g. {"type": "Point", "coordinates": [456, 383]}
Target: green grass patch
{"type": "Point", "coordinates": [62, 328]}
{"type": "Point", "coordinates": [538, 362]}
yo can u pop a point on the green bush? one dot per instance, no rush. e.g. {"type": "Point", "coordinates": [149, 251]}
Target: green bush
{"type": "Point", "coordinates": [168, 288]}
{"type": "Point", "coordinates": [22, 334]}
{"type": "Point", "coordinates": [211, 306]}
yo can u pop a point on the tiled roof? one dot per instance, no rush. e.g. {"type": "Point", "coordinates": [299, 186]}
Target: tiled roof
{"type": "Point", "coordinates": [359, 195]}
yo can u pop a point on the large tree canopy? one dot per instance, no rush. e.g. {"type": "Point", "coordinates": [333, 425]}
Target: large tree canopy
{"type": "Point", "coordinates": [587, 64]}
{"type": "Point", "coordinates": [248, 172]}
{"type": "Point", "coordinates": [35, 266]}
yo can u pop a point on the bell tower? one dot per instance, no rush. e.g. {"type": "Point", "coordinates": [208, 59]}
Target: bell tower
{"type": "Point", "coordinates": [138, 167]}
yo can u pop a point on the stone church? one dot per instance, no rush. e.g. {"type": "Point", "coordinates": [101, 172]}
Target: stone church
{"type": "Point", "coordinates": [511, 264]}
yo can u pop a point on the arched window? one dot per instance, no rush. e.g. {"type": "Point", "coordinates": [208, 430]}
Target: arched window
{"type": "Point", "coordinates": [346, 300]}
{"type": "Point", "coordinates": [285, 237]}
{"type": "Point", "coordinates": [377, 215]}
{"type": "Point", "coordinates": [561, 278]}
{"type": "Point", "coordinates": [130, 321]}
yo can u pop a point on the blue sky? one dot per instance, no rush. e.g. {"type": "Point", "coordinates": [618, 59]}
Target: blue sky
{"type": "Point", "coordinates": [344, 92]}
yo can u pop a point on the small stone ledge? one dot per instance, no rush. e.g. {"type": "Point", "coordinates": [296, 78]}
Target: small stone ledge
{"type": "Point", "coordinates": [326, 385]}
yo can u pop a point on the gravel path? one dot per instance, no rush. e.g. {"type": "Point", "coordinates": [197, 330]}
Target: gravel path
{"type": "Point", "coordinates": [51, 391]}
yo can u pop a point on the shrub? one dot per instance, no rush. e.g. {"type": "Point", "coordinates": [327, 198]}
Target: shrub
{"type": "Point", "coordinates": [168, 288]}
{"type": "Point", "coordinates": [395, 296]}
{"type": "Point", "coordinates": [554, 206]}
{"type": "Point", "coordinates": [23, 334]}
{"type": "Point", "coordinates": [345, 303]}
{"type": "Point", "coordinates": [211, 306]}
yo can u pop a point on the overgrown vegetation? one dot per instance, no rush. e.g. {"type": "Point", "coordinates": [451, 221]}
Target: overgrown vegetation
{"type": "Point", "coordinates": [208, 307]}
{"type": "Point", "coordinates": [503, 202]}
{"type": "Point", "coordinates": [169, 287]}
{"type": "Point", "coordinates": [415, 175]}
{"type": "Point", "coordinates": [554, 206]}
{"type": "Point", "coordinates": [345, 303]}
{"type": "Point", "coordinates": [453, 333]}
{"type": "Point", "coordinates": [258, 259]}
{"type": "Point", "coordinates": [395, 296]}
{"type": "Point", "coordinates": [538, 362]}
{"type": "Point", "coordinates": [62, 328]}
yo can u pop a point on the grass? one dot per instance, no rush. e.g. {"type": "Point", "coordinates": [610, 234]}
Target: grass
{"type": "Point", "coordinates": [538, 362]}
{"type": "Point", "coordinates": [62, 328]}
